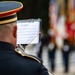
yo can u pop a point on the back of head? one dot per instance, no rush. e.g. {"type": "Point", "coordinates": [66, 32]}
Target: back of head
{"type": "Point", "coordinates": [8, 33]}
{"type": "Point", "coordinates": [8, 21]}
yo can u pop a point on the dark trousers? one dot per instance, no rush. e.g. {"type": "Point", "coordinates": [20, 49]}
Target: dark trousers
{"type": "Point", "coordinates": [40, 51]}
{"type": "Point", "coordinates": [66, 60]}
{"type": "Point", "coordinates": [52, 59]}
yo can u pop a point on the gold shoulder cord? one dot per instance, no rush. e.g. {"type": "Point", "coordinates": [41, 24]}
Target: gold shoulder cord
{"type": "Point", "coordinates": [24, 54]}
{"type": "Point", "coordinates": [33, 58]}
{"type": "Point", "coordinates": [50, 73]}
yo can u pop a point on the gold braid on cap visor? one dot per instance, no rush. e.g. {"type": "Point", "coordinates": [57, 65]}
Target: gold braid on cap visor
{"type": "Point", "coordinates": [8, 19]}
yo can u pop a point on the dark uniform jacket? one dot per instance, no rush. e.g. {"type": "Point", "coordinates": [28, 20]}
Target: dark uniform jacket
{"type": "Point", "coordinates": [12, 63]}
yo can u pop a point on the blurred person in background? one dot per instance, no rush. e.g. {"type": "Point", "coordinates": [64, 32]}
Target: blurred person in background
{"type": "Point", "coordinates": [52, 32]}
{"type": "Point", "coordinates": [66, 48]}
{"type": "Point", "coordinates": [51, 53]}
{"type": "Point", "coordinates": [62, 38]}
{"type": "Point", "coordinates": [69, 41]}
{"type": "Point", "coordinates": [43, 42]}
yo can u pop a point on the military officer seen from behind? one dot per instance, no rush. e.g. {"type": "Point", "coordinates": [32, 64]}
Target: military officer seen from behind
{"type": "Point", "coordinates": [10, 61]}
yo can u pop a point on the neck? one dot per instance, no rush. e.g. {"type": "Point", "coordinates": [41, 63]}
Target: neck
{"type": "Point", "coordinates": [8, 40]}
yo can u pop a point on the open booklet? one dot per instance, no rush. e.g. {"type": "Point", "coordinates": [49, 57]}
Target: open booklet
{"type": "Point", "coordinates": [28, 31]}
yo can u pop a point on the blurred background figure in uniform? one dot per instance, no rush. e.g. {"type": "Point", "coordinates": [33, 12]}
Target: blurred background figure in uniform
{"type": "Point", "coordinates": [52, 34]}
{"type": "Point", "coordinates": [69, 42]}
{"type": "Point", "coordinates": [51, 53]}
{"type": "Point", "coordinates": [43, 42]}
{"type": "Point", "coordinates": [66, 48]}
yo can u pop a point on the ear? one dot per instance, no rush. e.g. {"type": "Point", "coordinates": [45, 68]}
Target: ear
{"type": "Point", "coordinates": [15, 31]}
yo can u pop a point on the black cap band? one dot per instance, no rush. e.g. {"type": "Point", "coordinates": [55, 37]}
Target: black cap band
{"type": "Point", "coordinates": [8, 19]}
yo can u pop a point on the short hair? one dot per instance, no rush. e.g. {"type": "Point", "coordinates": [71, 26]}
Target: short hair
{"type": "Point", "coordinates": [7, 28]}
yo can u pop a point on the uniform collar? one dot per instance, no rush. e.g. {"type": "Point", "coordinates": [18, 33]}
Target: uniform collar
{"type": "Point", "coordinates": [4, 46]}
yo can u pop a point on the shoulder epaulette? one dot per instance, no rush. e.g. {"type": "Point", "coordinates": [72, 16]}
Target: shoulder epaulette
{"type": "Point", "coordinates": [30, 56]}
{"type": "Point", "coordinates": [33, 57]}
